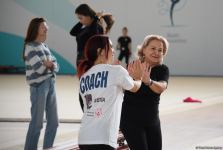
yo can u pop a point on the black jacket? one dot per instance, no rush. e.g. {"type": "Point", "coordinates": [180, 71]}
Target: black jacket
{"type": "Point", "coordinates": [82, 34]}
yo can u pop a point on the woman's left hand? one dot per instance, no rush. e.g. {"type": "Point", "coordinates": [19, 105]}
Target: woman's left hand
{"type": "Point", "coordinates": [136, 69]}
{"type": "Point", "coordinates": [146, 74]}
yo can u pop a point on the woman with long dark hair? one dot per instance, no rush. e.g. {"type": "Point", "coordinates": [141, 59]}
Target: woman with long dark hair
{"type": "Point", "coordinates": [41, 67]}
{"type": "Point", "coordinates": [90, 23]}
{"type": "Point", "coordinates": [101, 88]}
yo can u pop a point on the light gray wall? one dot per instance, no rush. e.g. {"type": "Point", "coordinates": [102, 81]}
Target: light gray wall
{"type": "Point", "coordinates": [196, 40]}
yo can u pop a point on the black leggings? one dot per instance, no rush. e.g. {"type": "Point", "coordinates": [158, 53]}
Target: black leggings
{"type": "Point", "coordinates": [81, 102]}
{"type": "Point", "coordinates": [78, 61]}
{"type": "Point", "coordinates": [122, 55]}
{"type": "Point", "coordinates": [143, 138]}
{"type": "Point", "coordinates": [96, 147]}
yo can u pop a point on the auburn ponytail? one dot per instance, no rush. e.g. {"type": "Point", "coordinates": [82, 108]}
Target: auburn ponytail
{"type": "Point", "coordinates": [91, 53]}
{"type": "Point", "coordinates": [84, 66]}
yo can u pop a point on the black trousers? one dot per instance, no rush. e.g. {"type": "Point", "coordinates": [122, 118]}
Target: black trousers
{"type": "Point", "coordinates": [140, 137]}
{"type": "Point", "coordinates": [80, 58]}
{"type": "Point", "coordinates": [96, 147]}
{"type": "Point", "coordinates": [122, 55]}
{"type": "Point", "coordinates": [81, 102]}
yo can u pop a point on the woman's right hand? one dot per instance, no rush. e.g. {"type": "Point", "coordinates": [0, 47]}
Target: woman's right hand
{"type": "Point", "coordinates": [49, 64]}
{"type": "Point", "coordinates": [100, 14]}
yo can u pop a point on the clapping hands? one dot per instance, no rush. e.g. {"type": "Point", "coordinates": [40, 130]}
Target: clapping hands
{"type": "Point", "coordinates": [137, 69]}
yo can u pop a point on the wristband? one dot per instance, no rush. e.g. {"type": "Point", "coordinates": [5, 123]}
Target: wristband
{"type": "Point", "coordinates": [150, 83]}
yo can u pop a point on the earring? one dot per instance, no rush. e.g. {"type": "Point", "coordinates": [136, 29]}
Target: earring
{"type": "Point", "coordinates": [98, 51]}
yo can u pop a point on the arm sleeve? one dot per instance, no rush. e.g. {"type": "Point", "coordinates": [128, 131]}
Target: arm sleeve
{"type": "Point", "coordinates": [125, 81]}
{"type": "Point", "coordinates": [76, 29]}
{"type": "Point", "coordinates": [34, 60]}
{"type": "Point", "coordinates": [96, 28]}
{"type": "Point", "coordinates": [130, 40]}
{"type": "Point", "coordinates": [55, 64]}
{"type": "Point", "coordinates": [51, 57]}
{"type": "Point", "coordinates": [163, 74]}
{"type": "Point", "coordinates": [119, 40]}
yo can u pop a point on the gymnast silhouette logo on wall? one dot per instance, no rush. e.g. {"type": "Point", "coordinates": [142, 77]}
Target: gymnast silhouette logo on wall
{"type": "Point", "coordinates": [170, 7]}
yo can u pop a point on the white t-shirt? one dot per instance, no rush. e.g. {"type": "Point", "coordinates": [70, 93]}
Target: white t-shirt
{"type": "Point", "coordinates": [101, 89]}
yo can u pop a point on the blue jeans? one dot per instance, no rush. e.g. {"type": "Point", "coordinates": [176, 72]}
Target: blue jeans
{"type": "Point", "coordinates": [43, 97]}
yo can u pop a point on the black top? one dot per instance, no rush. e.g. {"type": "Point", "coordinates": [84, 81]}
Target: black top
{"type": "Point", "coordinates": [124, 41]}
{"type": "Point", "coordinates": [143, 106]}
{"type": "Point", "coordinates": [83, 34]}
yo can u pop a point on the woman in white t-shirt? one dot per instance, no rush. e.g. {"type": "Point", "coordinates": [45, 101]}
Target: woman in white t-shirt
{"type": "Point", "coordinates": [101, 88]}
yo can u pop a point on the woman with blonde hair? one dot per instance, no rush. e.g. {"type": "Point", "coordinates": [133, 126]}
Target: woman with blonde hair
{"type": "Point", "coordinates": [140, 121]}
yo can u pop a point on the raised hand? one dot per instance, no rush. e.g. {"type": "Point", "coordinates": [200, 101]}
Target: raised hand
{"type": "Point", "coordinates": [130, 69]}
{"type": "Point", "coordinates": [136, 69]}
{"type": "Point", "coordinates": [146, 74]}
{"type": "Point", "coordinates": [117, 62]}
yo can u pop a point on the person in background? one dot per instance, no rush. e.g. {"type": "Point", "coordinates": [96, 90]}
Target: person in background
{"type": "Point", "coordinates": [41, 68]}
{"type": "Point", "coordinates": [101, 88]}
{"type": "Point", "coordinates": [140, 121]}
{"type": "Point", "coordinates": [124, 45]}
{"type": "Point", "coordinates": [90, 23]}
